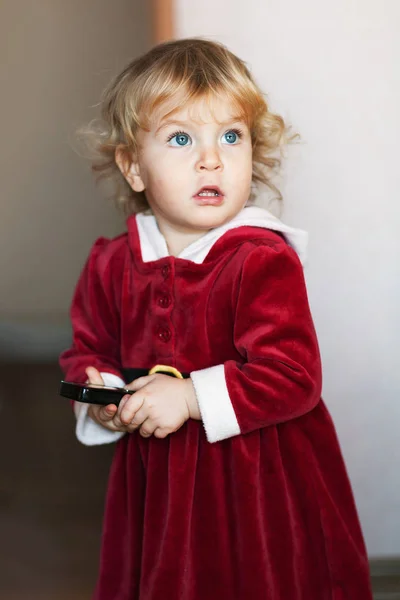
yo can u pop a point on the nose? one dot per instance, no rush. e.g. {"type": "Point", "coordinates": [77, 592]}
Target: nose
{"type": "Point", "coordinates": [209, 160]}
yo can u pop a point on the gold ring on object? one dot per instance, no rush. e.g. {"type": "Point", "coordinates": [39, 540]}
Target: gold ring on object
{"type": "Point", "coordinates": [166, 369]}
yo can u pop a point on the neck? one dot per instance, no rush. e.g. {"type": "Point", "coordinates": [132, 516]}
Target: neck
{"type": "Point", "coordinates": [178, 240]}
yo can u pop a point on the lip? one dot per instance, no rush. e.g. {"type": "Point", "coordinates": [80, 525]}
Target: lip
{"type": "Point", "coordinates": [209, 200]}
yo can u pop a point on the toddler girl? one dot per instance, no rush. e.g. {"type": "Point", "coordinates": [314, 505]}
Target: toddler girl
{"type": "Point", "coordinates": [227, 480]}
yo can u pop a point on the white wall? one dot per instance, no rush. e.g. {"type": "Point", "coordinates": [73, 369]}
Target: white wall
{"type": "Point", "coordinates": [56, 57]}
{"type": "Point", "coordinates": [332, 69]}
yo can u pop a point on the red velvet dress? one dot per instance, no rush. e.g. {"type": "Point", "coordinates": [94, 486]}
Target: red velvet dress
{"type": "Point", "coordinates": [264, 515]}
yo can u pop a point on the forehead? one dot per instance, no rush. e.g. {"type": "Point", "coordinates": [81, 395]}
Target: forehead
{"type": "Point", "coordinates": [200, 111]}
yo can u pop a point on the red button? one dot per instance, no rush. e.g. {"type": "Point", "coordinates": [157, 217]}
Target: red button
{"type": "Point", "coordinates": [165, 271]}
{"type": "Point", "coordinates": [164, 334]}
{"type": "Point", "coordinates": [164, 301]}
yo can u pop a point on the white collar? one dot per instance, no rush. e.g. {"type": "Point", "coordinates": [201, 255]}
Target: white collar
{"type": "Point", "coordinates": [154, 246]}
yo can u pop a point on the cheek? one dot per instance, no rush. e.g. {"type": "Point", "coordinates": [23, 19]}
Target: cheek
{"type": "Point", "coordinates": [242, 168]}
{"type": "Point", "coordinates": [165, 181]}
{"type": "Point", "coordinates": [174, 169]}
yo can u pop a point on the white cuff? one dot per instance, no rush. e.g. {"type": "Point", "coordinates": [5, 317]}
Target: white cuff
{"type": "Point", "coordinates": [215, 405]}
{"type": "Point", "coordinates": [88, 431]}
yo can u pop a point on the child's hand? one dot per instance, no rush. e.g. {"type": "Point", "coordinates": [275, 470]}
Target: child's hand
{"type": "Point", "coordinates": [159, 406]}
{"type": "Point", "coordinates": [103, 415]}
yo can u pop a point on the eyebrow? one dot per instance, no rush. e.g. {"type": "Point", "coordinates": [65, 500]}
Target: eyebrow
{"type": "Point", "coordinates": [234, 119]}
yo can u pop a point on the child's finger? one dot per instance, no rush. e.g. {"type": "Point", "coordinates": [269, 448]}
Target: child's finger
{"type": "Point", "coordinates": [128, 409]}
{"type": "Point", "coordinates": [160, 433]}
{"type": "Point", "coordinates": [94, 376]}
{"type": "Point", "coordinates": [107, 413]}
{"type": "Point", "coordinates": [148, 428]}
{"type": "Point", "coordinates": [102, 415]}
{"type": "Point", "coordinates": [139, 418]}
{"type": "Point", "coordinates": [137, 384]}
{"type": "Point", "coordinates": [117, 416]}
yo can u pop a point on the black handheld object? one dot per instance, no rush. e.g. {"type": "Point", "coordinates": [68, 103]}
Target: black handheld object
{"type": "Point", "coordinates": [92, 393]}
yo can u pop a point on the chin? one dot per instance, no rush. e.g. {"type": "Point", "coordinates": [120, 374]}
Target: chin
{"type": "Point", "coordinates": [222, 217]}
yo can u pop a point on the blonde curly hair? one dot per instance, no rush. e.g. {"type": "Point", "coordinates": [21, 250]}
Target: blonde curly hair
{"type": "Point", "coordinates": [188, 70]}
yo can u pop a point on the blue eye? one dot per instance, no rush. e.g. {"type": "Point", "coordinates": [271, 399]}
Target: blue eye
{"type": "Point", "coordinates": [231, 137]}
{"type": "Point", "coordinates": [179, 139]}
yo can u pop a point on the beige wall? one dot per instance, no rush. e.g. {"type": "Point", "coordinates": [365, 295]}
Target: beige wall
{"type": "Point", "coordinates": [332, 69]}
{"type": "Point", "coordinates": [56, 57]}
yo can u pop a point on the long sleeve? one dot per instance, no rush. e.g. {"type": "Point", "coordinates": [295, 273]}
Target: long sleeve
{"type": "Point", "coordinates": [95, 318]}
{"type": "Point", "coordinates": [88, 431]}
{"type": "Point", "coordinates": [95, 324]}
{"type": "Point", "coordinates": [280, 377]}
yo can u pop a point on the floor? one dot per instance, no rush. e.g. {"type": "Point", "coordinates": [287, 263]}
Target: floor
{"type": "Point", "coordinates": [51, 494]}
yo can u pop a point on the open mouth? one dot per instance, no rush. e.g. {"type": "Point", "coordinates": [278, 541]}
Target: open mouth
{"type": "Point", "coordinates": [209, 192]}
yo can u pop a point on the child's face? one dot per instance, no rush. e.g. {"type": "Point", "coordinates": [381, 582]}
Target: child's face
{"type": "Point", "coordinates": [195, 166]}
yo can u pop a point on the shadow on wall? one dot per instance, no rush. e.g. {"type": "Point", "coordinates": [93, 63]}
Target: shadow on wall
{"type": "Point", "coordinates": [33, 340]}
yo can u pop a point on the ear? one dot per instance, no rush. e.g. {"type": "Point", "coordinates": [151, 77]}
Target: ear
{"type": "Point", "coordinates": [129, 169]}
